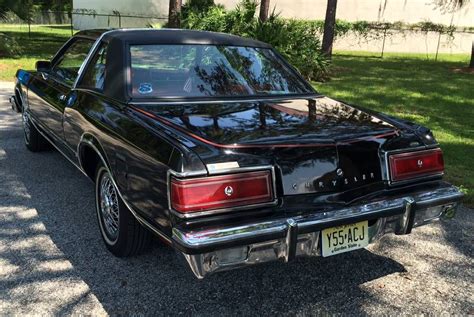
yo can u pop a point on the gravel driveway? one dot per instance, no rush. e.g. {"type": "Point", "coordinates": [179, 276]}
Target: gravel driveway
{"type": "Point", "coordinates": [52, 259]}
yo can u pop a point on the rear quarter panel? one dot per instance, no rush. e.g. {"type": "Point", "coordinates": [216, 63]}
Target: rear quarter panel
{"type": "Point", "coordinates": [138, 156]}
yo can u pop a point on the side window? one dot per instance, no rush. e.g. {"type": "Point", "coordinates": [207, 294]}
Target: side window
{"type": "Point", "coordinates": [94, 76]}
{"type": "Point", "coordinates": [67, 66]}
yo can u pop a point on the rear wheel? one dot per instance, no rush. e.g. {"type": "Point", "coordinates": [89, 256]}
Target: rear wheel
{"type": "Point", "coordinates": [123, 235]}
{"type": "Point", "coordinates": [34, 141]}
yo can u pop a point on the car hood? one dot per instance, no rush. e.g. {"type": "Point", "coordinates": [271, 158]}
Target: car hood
{"type": "Point", "coordinates": [294, 121]}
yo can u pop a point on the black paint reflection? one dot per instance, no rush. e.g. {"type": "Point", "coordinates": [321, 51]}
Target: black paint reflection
{"type": "Point", "coordinates": [299, 120]}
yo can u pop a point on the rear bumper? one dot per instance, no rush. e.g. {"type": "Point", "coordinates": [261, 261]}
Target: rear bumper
{"type": "Point", "coordinates": [223, 248]}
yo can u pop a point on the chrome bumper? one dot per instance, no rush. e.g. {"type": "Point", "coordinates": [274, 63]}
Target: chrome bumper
{"type": "Point", "coordinates": [218, 249]}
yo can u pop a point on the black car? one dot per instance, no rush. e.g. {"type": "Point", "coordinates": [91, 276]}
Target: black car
{"type": "Point", "coordinates": [218, 146]}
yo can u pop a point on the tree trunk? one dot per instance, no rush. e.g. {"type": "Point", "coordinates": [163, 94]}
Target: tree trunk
{"type": "Point", "coordinates": [471, 64]}
{"type": "Point", "coordinates": [173, 15]}
{"type": "Point", "coordinates": [58, 16]}
{"type": "Point", "coordinates": [264, 7]}
{"type": "Point", "coordinates": [329, 26]}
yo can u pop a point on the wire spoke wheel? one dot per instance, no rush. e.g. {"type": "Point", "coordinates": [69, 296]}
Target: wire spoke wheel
{"type": "Point", "coordinates": [123, 235]}
{"type": "Point", "coordinates": [109, 207]}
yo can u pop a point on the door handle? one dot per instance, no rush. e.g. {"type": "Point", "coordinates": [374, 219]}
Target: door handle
{"type": "Point", "coordinates": [62, 97]}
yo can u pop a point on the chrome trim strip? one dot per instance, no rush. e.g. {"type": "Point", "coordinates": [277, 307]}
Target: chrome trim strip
{"type": "Point", "coordinates": [92, 51]}
{"type": "Point", "coordinates": [223, 210]}
{"type": "Point", "coordinates": [56, 55]}
{"type": "Point", "coordinates": [135, 214]}
{"type": "Point", "coordinates": [242, 169]}
{"type": "Point", "coordinates": [202, 172]}
{"type": "Point", "coordinates": [250, 99]}
{"type": "Point", "coordinates": [55, 146]}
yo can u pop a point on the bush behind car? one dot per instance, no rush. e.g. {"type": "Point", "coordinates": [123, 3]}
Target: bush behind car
{"type": "Point", "coordinates": [296, 40]}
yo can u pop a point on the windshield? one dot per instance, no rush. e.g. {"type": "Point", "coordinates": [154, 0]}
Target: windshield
{"type": "Point", "coordinates": [159, 71]}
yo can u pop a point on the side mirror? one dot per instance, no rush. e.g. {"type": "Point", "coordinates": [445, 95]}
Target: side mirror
{"type": "Point", "coordinates": [43, 66]}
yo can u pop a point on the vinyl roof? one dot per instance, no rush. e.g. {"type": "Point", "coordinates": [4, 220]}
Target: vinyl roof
{"type": "Point", "coordinates": [172, 36]}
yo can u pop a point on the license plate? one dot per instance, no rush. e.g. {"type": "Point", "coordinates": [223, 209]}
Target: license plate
{"type": "Point", "coordinates": [345, 238]}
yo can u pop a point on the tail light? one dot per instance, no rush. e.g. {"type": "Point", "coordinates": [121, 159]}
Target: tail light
{"type": "Point", "coordinates": [217, 192]}
{"type": "Point", "coordinates": [415, 164]}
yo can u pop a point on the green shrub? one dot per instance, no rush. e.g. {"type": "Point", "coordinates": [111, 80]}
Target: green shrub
{"type": "Point", "coordinates": [306, 50]}
{"type": "Point", "coordinates": [9, 46]}
{"type": "Point", "coordinates": [200, 17]}
{"type": "Point", "coordinates": [297, 40]}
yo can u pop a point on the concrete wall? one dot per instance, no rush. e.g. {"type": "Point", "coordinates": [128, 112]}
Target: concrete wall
{"type": "Point", "coordinates": [155, 8]}
{"type": "Point", "coordinates": [409, 11]}
{"type": "Point", "coordinates": [413, 42]}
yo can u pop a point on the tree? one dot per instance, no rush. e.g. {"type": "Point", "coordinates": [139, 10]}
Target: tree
{"type": "Point", "coordinates": [453, 5]}
{"type": "Point", "coordinates": [471, 64]}
{"type": "Point", "coordinates": [174, 12]}
{"type": "Point", "coordinates": [22, 8]}
{"type": "Point", "coordinates": [329, 27]}
{"type": "Point", "coordinates": [25, 9]}
{"type": "Point", "coordinates": [264, 7]}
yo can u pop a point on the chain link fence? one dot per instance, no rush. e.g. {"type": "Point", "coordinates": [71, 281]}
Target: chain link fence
{"type": "Point", "coordinates": [377, 40]}
{"type": "Point", "coordinates": [82, 19]}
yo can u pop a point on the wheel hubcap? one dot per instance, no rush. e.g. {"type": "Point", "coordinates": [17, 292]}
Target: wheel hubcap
{"type": "Point", "coordinates": [109, 207]}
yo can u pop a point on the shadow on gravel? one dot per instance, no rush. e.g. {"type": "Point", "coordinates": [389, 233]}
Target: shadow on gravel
{"type": "Point", "coordinates": [460, 232]}
{"type": "Point", "coordinates": [160, 282]}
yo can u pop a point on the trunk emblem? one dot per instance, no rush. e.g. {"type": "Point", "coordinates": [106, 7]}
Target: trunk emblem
{"type": "Point", "coordinates": [229, 190]}
{"type": "Point", "coordinates": [420, 163]}
{"type": "Point", "coordinates": [323, 184]}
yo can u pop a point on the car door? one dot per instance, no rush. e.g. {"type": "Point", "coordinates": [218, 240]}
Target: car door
{"type": "Point", "coordinates": [50, 90]}
{"type": "Point", "coordinates": [92, 79]}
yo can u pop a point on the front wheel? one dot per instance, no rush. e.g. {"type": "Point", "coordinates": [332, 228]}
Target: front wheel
{"type": "Point", "coordinates": [123, 235]}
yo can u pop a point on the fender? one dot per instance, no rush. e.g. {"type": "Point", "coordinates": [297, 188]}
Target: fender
{"type": "Point", "coordinates": [22, 79]}
{"type": "Point", "coordinates": [88, 139]}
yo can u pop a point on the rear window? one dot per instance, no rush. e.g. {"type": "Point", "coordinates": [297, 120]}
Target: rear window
{"type": "Point", "coordinates": [162, 71]}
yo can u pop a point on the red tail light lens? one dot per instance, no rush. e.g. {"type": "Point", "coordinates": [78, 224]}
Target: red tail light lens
{"type": "Point", "coordinates": [202, 194]}
{"type": "Point", "coordinates": [415, 164]}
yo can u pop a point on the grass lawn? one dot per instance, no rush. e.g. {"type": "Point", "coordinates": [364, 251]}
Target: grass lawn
{"type": "Point", "coordinates": [45, 40]}
{"type": "Point", "coordinates": [404, 85]}
{"type": "Point", "coordinates": [420, 90]}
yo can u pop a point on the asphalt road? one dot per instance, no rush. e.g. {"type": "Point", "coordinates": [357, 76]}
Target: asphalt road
{"type": "Point", "coordinates": [52, 259]}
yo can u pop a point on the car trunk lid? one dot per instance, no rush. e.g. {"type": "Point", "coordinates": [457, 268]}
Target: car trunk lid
{"type": "Point", "coordinates": [319, 144]}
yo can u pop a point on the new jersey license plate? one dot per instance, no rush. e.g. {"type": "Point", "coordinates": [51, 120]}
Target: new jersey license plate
{"type": "Point", "coordinates": [345, 238]}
